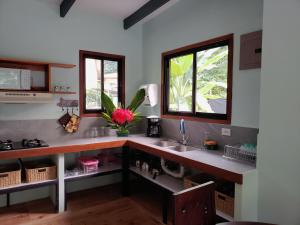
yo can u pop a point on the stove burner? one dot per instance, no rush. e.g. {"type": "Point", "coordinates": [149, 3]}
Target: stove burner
{"type": "Point", "coordinates": [6, 145]}
{"type": "Point", "coordinates": [24, 144]}
{"type": "Point", "coordinates": [31, 143]}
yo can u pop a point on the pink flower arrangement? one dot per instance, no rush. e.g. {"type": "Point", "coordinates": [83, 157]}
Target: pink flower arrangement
{"type": "Point", "coordinates": [122, 116]}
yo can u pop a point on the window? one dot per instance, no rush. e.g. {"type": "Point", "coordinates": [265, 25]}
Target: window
{"type": "Point", "coordinates": [100, 72]}
{"type": "Point", "coordinates": [197, 81]}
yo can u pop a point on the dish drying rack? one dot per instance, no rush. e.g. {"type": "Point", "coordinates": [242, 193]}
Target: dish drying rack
{"type": "Point", "coordinates": [235, 152]}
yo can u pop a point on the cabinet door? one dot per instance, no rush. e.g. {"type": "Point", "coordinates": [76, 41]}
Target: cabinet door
{"type": "Point", "coordinates": [250, 52]}
{"type": "Point", "coordinates": [195, 206]}
{"type": "Point", "coordinates": [10, 78]}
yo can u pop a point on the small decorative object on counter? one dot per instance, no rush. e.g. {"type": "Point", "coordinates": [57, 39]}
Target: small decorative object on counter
{"type": "Point", "coordinates": [155, 173]}
{"type": "Point", "coordinates": [88, 164]}
{"type": "Point", "coordinates": [109, 131]}
{"type": "Point", "coordinates": [145, 167]}
{"type": "Point", "coordinates": [138, 164]}
{"type": "Point", "coordinates": [122, 118]}
{"type": "Point", "coordinates": [209, 144]}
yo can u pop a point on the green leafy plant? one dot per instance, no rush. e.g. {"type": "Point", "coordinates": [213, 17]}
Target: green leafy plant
{"type": "Point", "coordinates": [120, 117]}
{"type": "Point", "coordinates": [211, 79]}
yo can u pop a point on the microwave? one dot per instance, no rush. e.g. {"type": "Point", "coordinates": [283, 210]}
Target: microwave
{"type": "Point", "coordinates": [15, 79]}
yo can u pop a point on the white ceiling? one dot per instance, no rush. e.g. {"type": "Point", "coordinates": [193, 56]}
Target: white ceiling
{"type": "Point", "coordinates": [116, 8]}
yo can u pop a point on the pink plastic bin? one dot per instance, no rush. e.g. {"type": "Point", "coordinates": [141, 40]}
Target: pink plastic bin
{"type": "Point", "coordinates": [88, 164]}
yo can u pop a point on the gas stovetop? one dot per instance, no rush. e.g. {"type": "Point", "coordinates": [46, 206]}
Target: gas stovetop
{"type": "Point", "coordinates": [24, 144]}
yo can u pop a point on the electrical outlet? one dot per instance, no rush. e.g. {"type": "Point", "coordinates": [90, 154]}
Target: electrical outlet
{"type": "Point", "coordinates": [226, 132]}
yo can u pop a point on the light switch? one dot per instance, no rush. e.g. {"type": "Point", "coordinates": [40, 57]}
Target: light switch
{"type": "Point", "coordinates": [226, 132]}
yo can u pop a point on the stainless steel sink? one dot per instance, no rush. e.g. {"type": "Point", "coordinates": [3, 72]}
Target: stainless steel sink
{"type": "Point", "coordinates": [182, 148]}
{"type": "Point", "coordinates": [166, 143]}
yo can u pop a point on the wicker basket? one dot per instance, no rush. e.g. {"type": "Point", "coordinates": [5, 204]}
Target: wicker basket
{"type": "Point", "coordinates": [40, 171]}
{"type": "Point", "coordinates": [10, 175]}
{"type": "Point", "coordinates": [224, 203]}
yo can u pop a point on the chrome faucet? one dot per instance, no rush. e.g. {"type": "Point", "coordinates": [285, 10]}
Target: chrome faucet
{"type": "Point", "coordinates": [184, 139]}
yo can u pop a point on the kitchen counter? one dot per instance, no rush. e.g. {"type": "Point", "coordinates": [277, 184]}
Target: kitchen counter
{"type": "Point", "coordinates": [208, 161]}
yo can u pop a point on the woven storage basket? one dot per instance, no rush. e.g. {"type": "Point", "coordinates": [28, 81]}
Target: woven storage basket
{"type": "Point", "coordinates": [40, 171]}
{"type": "Point", "coordinates": [224, 203]}
{"type": "Point", "coordinates": [10, 175]}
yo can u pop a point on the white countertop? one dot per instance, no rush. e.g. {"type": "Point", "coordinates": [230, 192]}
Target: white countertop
{"type": "Point", "coordinates": [212, 158]}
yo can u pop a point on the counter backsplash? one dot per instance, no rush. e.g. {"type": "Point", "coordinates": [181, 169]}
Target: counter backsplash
{"type": "Point", "coordinates": [50, 130]}
{"type": "Point", "coordinates": [196, 132]}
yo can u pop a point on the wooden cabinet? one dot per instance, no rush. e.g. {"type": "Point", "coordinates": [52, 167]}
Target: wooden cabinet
{"type": "Point", "coordinates": [40, 73]}
{"type": "Point", "coordinates": [250, 50]}
{"type": "Point", "coordinates": [195, 205]}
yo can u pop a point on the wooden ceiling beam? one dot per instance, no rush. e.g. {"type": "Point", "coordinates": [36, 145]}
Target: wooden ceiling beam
{"type": "Point", "coordinates": [65, 6]}
{"type": "Point", "coordinates": [142, 12]}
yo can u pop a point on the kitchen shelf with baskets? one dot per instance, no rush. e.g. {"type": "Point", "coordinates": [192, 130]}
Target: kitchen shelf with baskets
{"type": "Point", "coordinates": [23, 176]}
{"type": "Point", "coordinates": [16, 177]}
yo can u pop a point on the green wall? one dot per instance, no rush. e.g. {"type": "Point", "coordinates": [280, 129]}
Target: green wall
{"type": "Point", "coordinates": [278, 144]}
{"type": "Point", "coordinates": [192, 21]}
{"type": "Point", "coordinates": [33, 29]}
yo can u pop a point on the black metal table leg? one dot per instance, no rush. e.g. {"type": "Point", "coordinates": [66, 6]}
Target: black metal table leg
{"type": "Point", "coordinates": [7, 199]}
{"type": "Point", "coordinates": [125, 171]}
{"type": "Point", "coordinates": [165, 204]}
{"type": "Point", "coordinates": [66, 198]}
{"type": "Point", "coordinates": [56, 198]}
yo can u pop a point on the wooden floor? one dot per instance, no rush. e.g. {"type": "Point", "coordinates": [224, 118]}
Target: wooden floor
{"type": "Point", "coordinates": [101, 206]}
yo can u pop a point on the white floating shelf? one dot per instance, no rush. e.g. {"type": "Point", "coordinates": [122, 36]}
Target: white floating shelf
{"type": "Point", "coordinates": [224, 215]}
{"type": "Point", "coordinates": [24, 186]}
{"type": "Point", "coordinates": [112, 167]}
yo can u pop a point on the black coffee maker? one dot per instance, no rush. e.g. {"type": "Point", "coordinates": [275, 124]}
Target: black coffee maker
{"type": "Point", "coordinates": [153, 129]}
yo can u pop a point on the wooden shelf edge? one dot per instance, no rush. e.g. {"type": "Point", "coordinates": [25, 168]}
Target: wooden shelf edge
{"type": "Point", "coordinates": [44, 92]}
{"type": "Point", "coordinates": [24, 186]}
{"type": "Point", "coordinates": [165, 181]}
{"type": "Point", "coordinates": [63, 93]}
{"type": "Point", "coordinates": [61, 65]}
{"type": "Point", "coordinates": [27, 62]}
{"type": "Point", "coordinates": [224, 216]}
{"type": "Point", "coordinates": [103, 170]}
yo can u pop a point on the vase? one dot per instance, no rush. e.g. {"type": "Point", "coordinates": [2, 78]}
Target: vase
{"type": "Point", "coordinates": [122, 133]}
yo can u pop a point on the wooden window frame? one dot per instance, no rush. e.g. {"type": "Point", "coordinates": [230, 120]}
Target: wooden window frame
{"type": "Point", "coordinates": [194, 48]}
{"type": "Point", "coordinates": [121, 79]}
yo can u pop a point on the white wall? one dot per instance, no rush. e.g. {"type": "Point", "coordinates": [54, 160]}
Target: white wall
{"type": "Point", "coordinates": [192, 21]}
{"type": "Point", "coordinates": [33, 29]}
{"type": "Point", "coordinates": [278, 146]}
